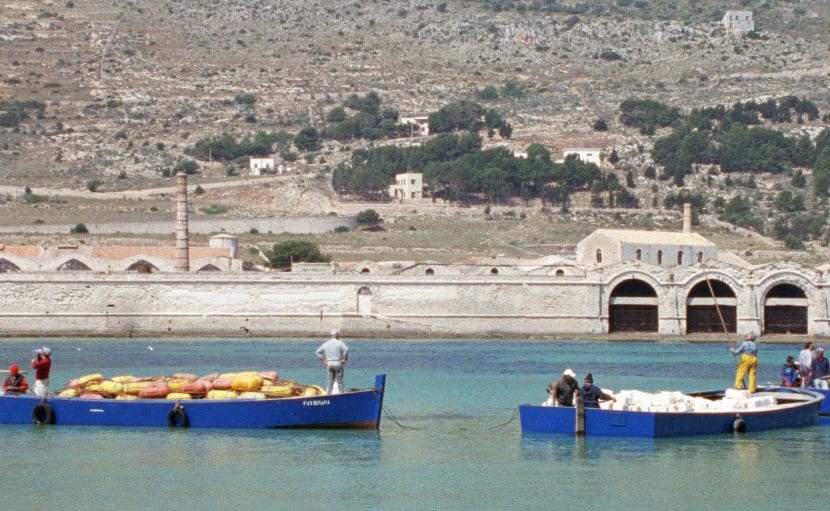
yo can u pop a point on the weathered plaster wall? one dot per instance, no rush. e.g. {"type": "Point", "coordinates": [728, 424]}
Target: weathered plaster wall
{"type": "Point", "coordinates": [285, 304]}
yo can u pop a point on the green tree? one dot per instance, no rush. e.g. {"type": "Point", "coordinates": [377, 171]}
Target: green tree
{"type": "Point", "coordinates": [79, 229]}
{"type": "Point", "coordinates": [186, 166]}
{"type": "Point", "coordinates": [93, 184]}
{"type": "Point", "coordinates": [798, 180]}
{"type": "Point", "coordinates": [336, 114]}
{"type": "Point", "coordinates": [461, 115]}
{"type": "Point", "coordinates": [821, 173]}
{"type": "Point", "coordinates": [368, 217]}
{"type": "Point", "coordinates": [283, 254]}
{"type": "Point", "coordinates": [489, 93]}
{"type": "Point", "coordinates": [308, 139]}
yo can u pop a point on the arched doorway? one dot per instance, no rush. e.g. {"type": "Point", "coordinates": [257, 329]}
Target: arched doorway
{"type": "Point", "coordinates": [785, 310]}
{"type": "Point", "coordinates": [633, 307]}
{"type": "Point", "coordinates": [364, 301]}
{"type": "Point", "coordinates": [702, 312]}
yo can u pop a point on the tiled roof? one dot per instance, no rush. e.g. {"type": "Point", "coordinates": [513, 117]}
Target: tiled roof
{"type": "Point", "coordinates": [30, 251]}
{"type": "Point", "coordinates": [116, 252]}
{"type": "Point", "coordinates": [656, 237]}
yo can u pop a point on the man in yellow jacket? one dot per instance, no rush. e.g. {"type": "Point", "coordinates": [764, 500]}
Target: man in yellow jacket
{"type": "Point", "coordinates": [748, 363]}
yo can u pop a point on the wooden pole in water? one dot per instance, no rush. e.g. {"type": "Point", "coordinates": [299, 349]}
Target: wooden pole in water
{"type": "Point", "coordinates": [579, 426]}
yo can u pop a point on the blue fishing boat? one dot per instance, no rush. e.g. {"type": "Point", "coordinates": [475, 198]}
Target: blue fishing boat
{"type": "Point", "coordinates": [355, 409]}
{"type": "Point", "coordinates": [786, 408]}
{"type": "Point", "coordinates": [824, 409]}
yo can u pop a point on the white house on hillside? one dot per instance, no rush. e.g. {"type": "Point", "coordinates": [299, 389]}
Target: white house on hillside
{"type": "Point", "coordinates": [585, 155]}
{"type": "Point", "coordinates": [409, 185]}
{"type": "Point", "coordinates": [258, 165]}
{"type": "Point", "coordinates": [418, 126]}
{"type": "Point", "coordinates": [738, 21]}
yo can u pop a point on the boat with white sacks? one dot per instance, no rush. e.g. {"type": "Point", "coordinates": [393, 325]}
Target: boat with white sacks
{"type": "Point", "coordinates": [672, 414]}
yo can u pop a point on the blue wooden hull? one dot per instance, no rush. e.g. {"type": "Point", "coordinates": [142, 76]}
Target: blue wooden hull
{"type": "Point", "coordinates": [357, 410]}
{"type": "Point", "coordinates": [601, 422]}
{"type": "Point", "coordinates": [824, 409]}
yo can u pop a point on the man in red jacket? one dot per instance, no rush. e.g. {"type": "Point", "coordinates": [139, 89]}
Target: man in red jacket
{"type": "Point", "coordinates": [15, 383]}
{"type": "Point", "coordinates": [42, 363]}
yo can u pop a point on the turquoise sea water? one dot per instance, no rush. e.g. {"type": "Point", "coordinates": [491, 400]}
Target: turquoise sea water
{"type": "Point", "coordinates": [452, 444]}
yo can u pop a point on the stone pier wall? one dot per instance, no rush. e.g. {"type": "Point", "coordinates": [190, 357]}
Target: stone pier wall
{"type": "Point", "coordinates": [377, 305]}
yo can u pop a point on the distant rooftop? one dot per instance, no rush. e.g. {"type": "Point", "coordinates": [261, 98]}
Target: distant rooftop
{"type": "Point", "coordinates": [656, 237]}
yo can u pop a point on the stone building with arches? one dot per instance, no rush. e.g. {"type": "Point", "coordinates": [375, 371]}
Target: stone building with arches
{"type": "Point", "coordinates": [694, 289]}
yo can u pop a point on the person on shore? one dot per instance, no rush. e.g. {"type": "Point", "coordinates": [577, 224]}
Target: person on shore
{"type": "Point", "coordinates": [789, 373]}
{"type": "Point", "coordinates": [805, 361]}
{"type": "Point", "coordinates": [334, 354]}
{"type": "Point", "coordinates": [15, 383]}
{"type": "Point", "coordinates": [820, 370]}
{"type": "Point", "coordinates": [562, 390]}
{"type": "Point", "coordinates": [42, 364]}
{"type": "Point", "coordinates": [748, 364]}
{"type": "Point", "coordinates": [592, 395]}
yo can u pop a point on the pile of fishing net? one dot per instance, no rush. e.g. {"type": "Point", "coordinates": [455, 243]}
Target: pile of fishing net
{"type": "Point", "coordinates": [243, 385]}
{"type": "Point", "coordinates": [733, 400]}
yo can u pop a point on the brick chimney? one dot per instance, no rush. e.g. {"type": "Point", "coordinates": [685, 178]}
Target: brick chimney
{"type": "Point", "coordinates": [687, 217]}
{"type": "Point", "coordinates": [182, 236]}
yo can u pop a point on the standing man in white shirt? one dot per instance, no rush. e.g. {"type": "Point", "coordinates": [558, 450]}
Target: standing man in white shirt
{"type": "Point", "coordinates": [334, 354]}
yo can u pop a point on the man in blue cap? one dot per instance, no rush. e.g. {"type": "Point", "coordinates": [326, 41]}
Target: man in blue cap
{"type": "Point", "coordinates": [591, 395]}
{"type": "Point", "coordinates": [748, 363]}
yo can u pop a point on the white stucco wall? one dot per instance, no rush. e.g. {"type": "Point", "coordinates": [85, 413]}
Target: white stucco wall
{"type": "Point", "coordinates": [286, 304]}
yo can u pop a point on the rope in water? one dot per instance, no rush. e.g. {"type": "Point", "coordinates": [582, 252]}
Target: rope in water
{"type": "Point", "coordinates": [391, 417]}
{"type": "Point", "coordinates": [508, 421]}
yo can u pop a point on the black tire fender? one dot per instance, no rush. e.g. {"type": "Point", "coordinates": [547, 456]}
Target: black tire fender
{"type": "Point", "coordinates": [738, 425]}
{"type": "Point", "coordinates": [177, 418]}
{"type": "Point", "coordinates": [43, 413]}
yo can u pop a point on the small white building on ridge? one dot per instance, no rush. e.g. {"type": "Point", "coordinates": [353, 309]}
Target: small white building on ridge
{"type": "Point", "coordinates": [409, 185]}
{"type": "Point", "coordinates": [418, 125]}
{"type": "Point", "coordinates": [585, 155]}
{"type": "Point", "coordinates": [738, 21]}
{"type": "Point", "coordinates": [258, 165]}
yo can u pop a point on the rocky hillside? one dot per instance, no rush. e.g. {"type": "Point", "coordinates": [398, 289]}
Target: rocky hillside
{"type": "Point", "coordinates": [118, 89]}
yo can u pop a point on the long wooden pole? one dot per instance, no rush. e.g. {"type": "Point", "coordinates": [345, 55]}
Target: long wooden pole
{"type": "Point", "coordinates": [717, 308]}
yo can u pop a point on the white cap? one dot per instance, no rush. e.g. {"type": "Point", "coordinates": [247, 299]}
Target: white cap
{"type": "Point", "coordinates": [569, 372]}
{"type": "Point", "coordinates": [46, 351]}
{"type": "Point", "coordinates": [335, 332]}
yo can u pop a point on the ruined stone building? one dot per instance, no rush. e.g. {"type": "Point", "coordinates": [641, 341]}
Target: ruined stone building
{"type": "Point", "coordinates": [738, 21]}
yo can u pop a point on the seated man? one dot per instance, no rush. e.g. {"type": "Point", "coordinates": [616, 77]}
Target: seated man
{"type": "Point", "coordinates": [789, 373]}
{"type": "Point", "coordinates": [591, 396]}
{"type": "Point", "coordinates": [15, 383]}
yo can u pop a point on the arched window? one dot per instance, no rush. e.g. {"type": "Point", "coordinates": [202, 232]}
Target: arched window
{"type": "Point", "coordinates": [73, 265]}
{"type": "Point", "coordinates": [430, 271]}
{"type": "Point", "coordinates": [659, 257]}
{"type": "Point", "coordinates": [639, 254]}
{"type": "Point", "coordinates": [364, 270]}
{"type": "Point", "coordinates": [599, 255]}
{"type": "Point", "coordinates": [142, 266]}
{"type": "Point", "coordinates": [208, 267]}
{"type": "Point", "coordinates": [560, 273]}
{"type": "Point", "coordinates": [6, 266]}
{"type": "Point", "coordinates": [679, 257]}
{"type": "Point", "coordinates": [494, 271]}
